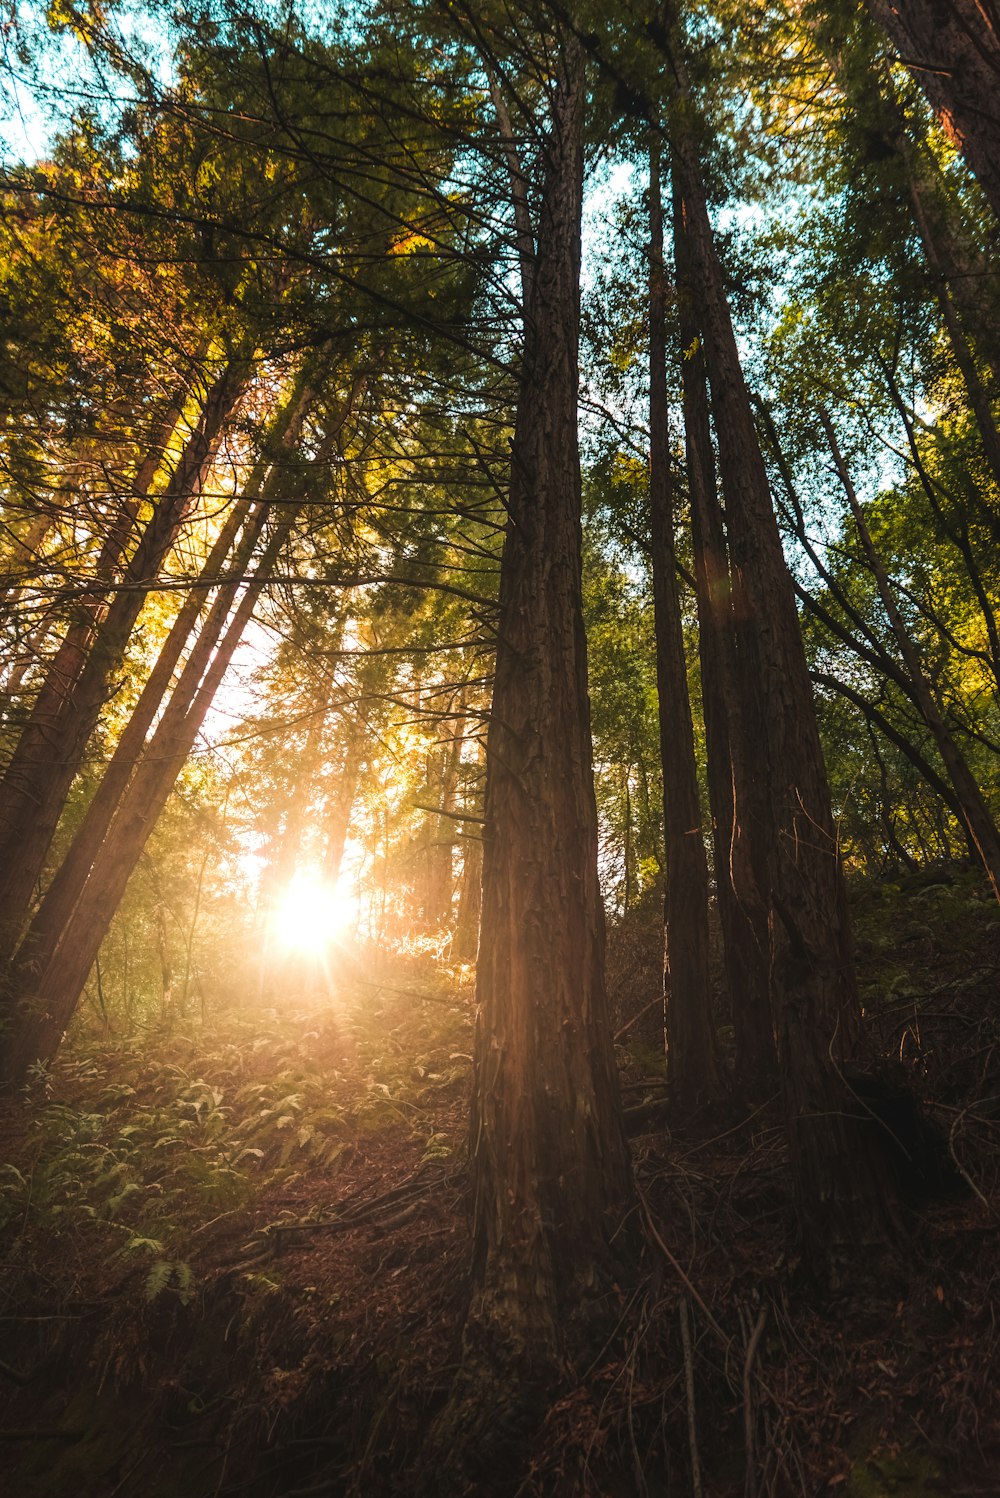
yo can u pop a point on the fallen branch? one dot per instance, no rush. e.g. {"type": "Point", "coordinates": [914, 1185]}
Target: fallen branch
{"type": "Point", "coordinates": [626, 1027]}
{"type": "Point", "coordinates": [750, 1488]}
{"type": "Point", "coordinates": [682, 1311]}
{"type": "Point", "coordinates": [961, 1168]}
{"type": "Point", "coordinates": [370, 1214]}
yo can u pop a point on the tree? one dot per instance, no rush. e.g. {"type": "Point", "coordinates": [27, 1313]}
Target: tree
{"type": "Point", "coordinates": [953, 48]}
{"type": "Point", "coordinates": [551, 1172]}
{"type": "Point", "coordinates": [842, 1187]}
{"type": "Point", "coordinates": [691, 1060]}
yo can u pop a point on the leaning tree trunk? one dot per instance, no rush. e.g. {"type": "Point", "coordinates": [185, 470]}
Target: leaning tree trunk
{"type": "Point", "coordinates": [550, 1164]}
{"type": "Point", "coordinates": [48, 756]}
{"type": "Point", "coordinates": [52, 963]}
{"type": "Point", "coordinates": [843, 1194]}
{"type": "Point", "coordinates": [27, 776]}
{"type": "Point", "coordinates": [953, 50]}
{"type": "Point", "coordinates": [692, 1063]}
{"type": "Point", "coordinates": [439, 888]}
{"type": "Point", "coordinates": [48, 985]}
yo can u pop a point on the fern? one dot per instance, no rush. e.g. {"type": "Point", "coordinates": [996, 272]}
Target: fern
{"type": "Point", "coordinates": [158, 1278]}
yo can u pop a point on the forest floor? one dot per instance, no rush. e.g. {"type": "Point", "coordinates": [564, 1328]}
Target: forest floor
{"type": "Point", "coordinates": [234, 1253]}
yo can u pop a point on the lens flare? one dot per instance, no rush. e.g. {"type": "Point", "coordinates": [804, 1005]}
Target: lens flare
{"type": "Point", "coordinates": [312, 914]}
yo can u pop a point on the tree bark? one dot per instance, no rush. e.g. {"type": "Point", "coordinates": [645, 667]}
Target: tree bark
{"type": "Point", "coordinates": [692, 1063]}
{"type": "Point", "coordinates": [738, 798]}
{"type": "Point", "coordinates": [440, 875]}
{"type": "Point", "coordinates": [550, 1166]}
{"type": "Point", "coordinates": [843, 1192]}
{"type": "Point", "coordinates": [953, 49]}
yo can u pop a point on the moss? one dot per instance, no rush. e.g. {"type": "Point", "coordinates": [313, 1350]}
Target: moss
{"type": "Point", "coordinates": [908, 1474]}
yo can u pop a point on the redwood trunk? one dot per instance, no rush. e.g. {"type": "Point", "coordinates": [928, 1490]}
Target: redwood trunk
{"type": "Point", "coordinates": [692, 1064]}
{"type": "Point", "coordinates": [841, 1183]}
{"type": "Point", "coordinates": [550, 1165]}
{"type": "Point", "coordinates": [738, 800]}
{"type": "Point", "coordinates": [953, 49]}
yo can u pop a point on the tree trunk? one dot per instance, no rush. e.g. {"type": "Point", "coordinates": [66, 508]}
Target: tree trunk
{"type": "Point", "coordinates": [953, 49]}
{"type": "Point", "coordinates": [843, 1193]}
{"type": "Point", "coordinates": [55, 958]}
{"type": "Point", "coordinates": [692, 1064]}
{"type": "Point", "coordinates": [738, 800]}
{"type": "Point", "coordinates": [550, 1164]}
{"type": "Point", "coordinates": [51, 749]}
{"type": "Point", "coordinates": [470, 894]}
{"type": "Point", "coordinates": [440, 877]}
{"type": "Point", "coordinates": [340, 803]}
{"type": "Point", "coordinates": [48, 985]}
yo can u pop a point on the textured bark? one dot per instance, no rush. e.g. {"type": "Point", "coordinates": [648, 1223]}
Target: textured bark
{"type": "Point", "coordinates": [50, 751]}
{"type": "Point", "coordinates": [952, 48]}
{"type": "Point", "coordinates": [692, 1063]}
{"type": "Point", "coordinates": [740, 821]}
{"type": "Point", "coordinates": [842, 1186]}
{"type": "Point", "coordinates": [550, 1165]}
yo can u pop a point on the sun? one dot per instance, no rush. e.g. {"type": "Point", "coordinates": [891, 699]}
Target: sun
{"type": "Point", "coordinates": [311, 915]}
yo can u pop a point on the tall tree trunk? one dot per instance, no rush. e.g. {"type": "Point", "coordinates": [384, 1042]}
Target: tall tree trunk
{"type": "Point", "coordinates": [340, 803]}
{"type": "Point", "coordinates": [53, 962]}
{"type": "Point", "coordinates": [550, 1164]}
{"type": "Point", "coordinates": [953, 49]}
{"type": "Point", "coordinates": [47, 985]}
{"type": "Point", "coordinates": [63, 891]}
{"type": "Point", "coordinates": [51, 750]}
{"type": "Point", "coordinates": [692, 1064]}
{"type": "Point", "coordinates": [741, 825]}
{"type": "Point", "coordinates": [842, 1187]}
{"type": "Point", "coordinates": [28, 768]}
{"type": "Point", "coordinates": [470, 893]}
{"type": "Point", "coordinates": [440, 885]}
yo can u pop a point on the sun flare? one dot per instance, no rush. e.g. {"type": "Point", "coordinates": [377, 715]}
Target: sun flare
{"type": "Point", "coordinates": [312, 914]}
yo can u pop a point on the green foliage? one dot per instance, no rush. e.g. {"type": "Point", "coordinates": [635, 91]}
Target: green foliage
{"type": "Point", "coordinates": [140, 1147]}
